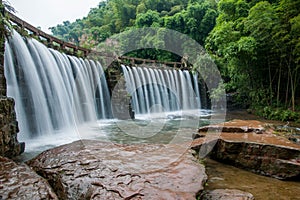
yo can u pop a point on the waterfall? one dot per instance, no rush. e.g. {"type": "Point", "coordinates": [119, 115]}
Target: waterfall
{"type": "Point", "coordinates": [161, 90]}
{"type": "Point", "coordinates": [53, 91]}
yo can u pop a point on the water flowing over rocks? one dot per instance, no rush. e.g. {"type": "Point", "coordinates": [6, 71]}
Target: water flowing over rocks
{"type": "Point", "coordinates": [251, 145]}
{"type": "Point", "coordinates": [18, 181]}
{"type": "Point", "coordinates": [227, 194]}
{"type": "Point", "coordinates": [95, 170]}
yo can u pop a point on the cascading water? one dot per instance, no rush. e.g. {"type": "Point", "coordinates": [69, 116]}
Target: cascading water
{"type": "Point", "coordinates": [53, 91]}
{"type": "Point", "coordinates": [59, 98]}
{"type": "Point", "coordinates": [161, 90]}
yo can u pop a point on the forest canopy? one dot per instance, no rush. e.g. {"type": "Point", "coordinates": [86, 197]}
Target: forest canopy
{"type": "Point", "coordinates": [255, 43]}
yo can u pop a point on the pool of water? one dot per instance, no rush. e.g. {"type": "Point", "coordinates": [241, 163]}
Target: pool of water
{"type": "Point", "coordinates": [223, 176]}
{"type": "Point", "coordinates": [159, 128]}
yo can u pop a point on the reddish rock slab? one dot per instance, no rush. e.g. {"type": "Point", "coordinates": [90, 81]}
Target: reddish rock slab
{"type": "Point", "coordinates": [18, 181]}
{"type": "Point", "coordinates": [95, 170]}
{"type": "Point", "coordinates": [236, 126]}
{"type": "Point", "coordinates": [227, 194]}
{"type": "Point", "coordinates": [270, 160]}
{"type": "Point", "coordinates": [263, 153]}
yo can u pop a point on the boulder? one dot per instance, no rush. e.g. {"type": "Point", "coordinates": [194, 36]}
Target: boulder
{"type": "Point", "coordinates": [18, 181]}
{"type": "Point", "coordinates": [96, 170]}
{"type": "Point", "coordinates": [227, 194]}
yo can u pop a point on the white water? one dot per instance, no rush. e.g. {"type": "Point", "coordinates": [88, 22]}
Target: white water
{"type": "Point", "coordinates": [61, 98]}
{"type": "Point", "coordinates": [53, 92]}
{"type": "Point", "coordinates": [161, 90]}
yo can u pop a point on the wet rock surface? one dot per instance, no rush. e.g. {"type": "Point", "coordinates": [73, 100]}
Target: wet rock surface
{"type": "Point", "coordinates": [18, 181]}
{"type": "Point", "coordinates": [259, 151]}
{"type": "Point", "coordinates": [271, 160]}
{"type": "Point", "coordinates": [236, 126]}
{"type": "Point", "coordinates": [9, 145]}
{"type": "Point", "coordinates": [96, 170]}
{"type": "Point", "coordinates": [227, 194]}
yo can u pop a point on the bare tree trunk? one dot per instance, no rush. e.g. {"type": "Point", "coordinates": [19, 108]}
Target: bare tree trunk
{"type": "Point", "coordinates": [270, 84]}
{"type": "Point", "coordinates": [287, 88]}
{"type": "Point", "coordinates": [292, 91]}
{"type": "Point", "coordinates": [278, 87]}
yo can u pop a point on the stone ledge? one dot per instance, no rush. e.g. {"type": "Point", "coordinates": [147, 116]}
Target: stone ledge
{"type": "Point", "coordinates": [236, 126]}
{"type": "Point", "coordinates": [263, 153]}
{"type": "Point", "coordinates": [270, 160]}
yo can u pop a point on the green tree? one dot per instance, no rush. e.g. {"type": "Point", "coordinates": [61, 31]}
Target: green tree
{"type": "Point", "coordinates": [256, 44]}
{"type": "Point", "coordinates": [147, 19]}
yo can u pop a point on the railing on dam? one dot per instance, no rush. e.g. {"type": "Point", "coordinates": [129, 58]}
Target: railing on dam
{"type": "Point", "coordinates": [50, 40]}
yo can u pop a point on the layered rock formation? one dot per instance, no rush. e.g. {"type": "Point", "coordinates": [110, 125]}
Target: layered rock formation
{"type": "Point", "coordinates": [9, 145]}
{"type": "Point", "coordinates": [248, 145]}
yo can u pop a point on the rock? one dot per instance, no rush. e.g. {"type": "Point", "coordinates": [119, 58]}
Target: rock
{"type": "Point", "coordinates": [96, 170]}
{"type": "Point", "coordinates": [236, 126]}
{"type": "Point", "coordinates": [227, 194]}
{"type": "Point", "coordinates": [270, 160]}
{"type": "Point", "coordinates": [9, 145]}
{"type": "Point", "coordinates": [195, 136]}
{"type": "Point", "coordinates": [265, 153]}
{"type": "Point", "coordinates": [18, 181]}
{"type": "Point", "coordinates": [295, 139]}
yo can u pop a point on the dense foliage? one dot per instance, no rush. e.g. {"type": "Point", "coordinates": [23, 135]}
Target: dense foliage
{"type": "Point", "coordinates": [257, 47]}
{"type": "Point", "coordinates": [195, 18]}
{"type": "Point", "coordinates": [255, 43]}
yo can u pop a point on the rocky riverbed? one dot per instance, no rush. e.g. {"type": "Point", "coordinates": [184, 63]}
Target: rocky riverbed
{"type": "Point", "coordinates": [89, 169]}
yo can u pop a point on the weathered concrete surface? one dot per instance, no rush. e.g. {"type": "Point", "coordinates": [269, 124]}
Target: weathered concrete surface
{"type": "Point", "coordinates": [258, 151]}
{"type": "Point", "coordinates": [9, 145]}
{"type": "Point", "coordinates": [227, 194]}
{"type": "Point", "coordinates": [96, 170]}
{"type": "Point", "coordinates": [18, 181]}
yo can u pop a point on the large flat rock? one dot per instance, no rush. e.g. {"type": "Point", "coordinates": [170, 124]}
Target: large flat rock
{"type": "Point", "coordinates": [18, 181]}
{"type": "Point", "coordinates": [249, 145]}
{"type": "Point", "coordinates": [236, 126]}
{"type": "Point", "coordinates": [96, 170]}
